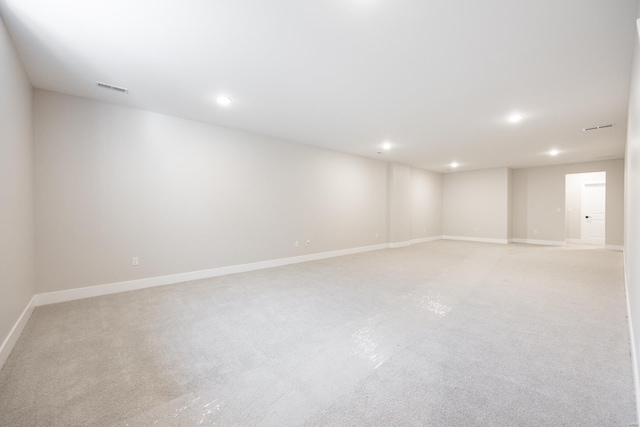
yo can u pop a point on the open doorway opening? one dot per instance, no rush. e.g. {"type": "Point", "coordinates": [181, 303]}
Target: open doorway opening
{"type": "Point", "coordinates": [585, 199]}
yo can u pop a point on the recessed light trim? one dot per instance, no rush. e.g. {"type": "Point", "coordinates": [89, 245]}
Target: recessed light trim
{"type": "Point", "coordinates": [454, 165]}
{"type": "Point", "coordinates": [225, 101]}
{"type": "Point", "coordinates": [387, 146]}
{"type": "Point", "coordinates": [514, 118]}
{"type": "Point", "coordinates": [554, 152]}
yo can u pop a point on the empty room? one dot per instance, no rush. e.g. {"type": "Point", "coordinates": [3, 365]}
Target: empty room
{"type": "Point", "coordinates": [319, 213]}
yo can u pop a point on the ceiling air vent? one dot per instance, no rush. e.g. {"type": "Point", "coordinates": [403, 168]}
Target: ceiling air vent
{"type": "Point", "coordinates": [597, 127]}
{"type": "Point", "coordinates": [112, 87]}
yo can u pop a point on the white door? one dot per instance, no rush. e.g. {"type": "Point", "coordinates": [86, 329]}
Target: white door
{"type": "Point", "coordinates": [593, 218]}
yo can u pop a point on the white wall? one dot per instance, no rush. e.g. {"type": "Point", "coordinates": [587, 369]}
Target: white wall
{"type": "Point", "coordinates": [115, 182]}
{"type": "Point", "coordinates": [632, 211]}
{"type": "Point", "coordinates": [415, 204]}
{"type": "Point", "coordinates": [476, 204]}
{"type": "Point", "coordinates": [510, 203]}
{"type": "Point", "coordinates": [426, 204]}
{"type": "Point", "coordinates": [573, 201]}
{"type": "Point", "coordinates": [400, 203]}
{"type": "Point", "coordinates": [539, 201]}
{"type": "Point", "coordinates": [16, 195]}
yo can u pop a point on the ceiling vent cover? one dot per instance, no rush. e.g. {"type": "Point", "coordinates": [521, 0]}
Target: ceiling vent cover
{"type": "Point", "coordinates": [597, 127]}
{"type": "Point", "coordinates": [112, 87]}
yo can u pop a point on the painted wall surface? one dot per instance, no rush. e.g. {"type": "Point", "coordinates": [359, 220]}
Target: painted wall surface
{"type": "Point", "coordinates": [509, 203]}
{"type": "Point", "coordinates": [400, 203]}
{"type": "Point", "coordinates": [426, 205]}
{"type": "Point", "coordinates": [539, 200]}
{"type": "Point", "coordinates": [632, 211]}
{"type": "Point", "coordinates": [113, 183]}
{"type": "Point", "coordinates": [476, 204]}
{"type": "Point", "coordinates": [573, 201]}
{"type": "Point", "coordinates": [16, 188]}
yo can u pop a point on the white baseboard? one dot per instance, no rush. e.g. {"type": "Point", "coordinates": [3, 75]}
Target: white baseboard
{"type": "Point", "coordinates": [614, 247]}
{"type": "Point", "coordinates": [12, 338]}
{"type": "Point", "coordinates": [632, 342]}
{"type": "Point", "coordinates": [414, 241]}
{"type": "Point", "coordinates": [476, 239]}
{"type": "Point", "coordinates": [131, 285]}
{"type": "Point", "coordinates": [426, 239]}
{"type": "Point", "coordinates": [575, 241]}
{"type": "Point", "coordinates": [400, 244]}
{"type": "Point", "coordinates": [539, 242]}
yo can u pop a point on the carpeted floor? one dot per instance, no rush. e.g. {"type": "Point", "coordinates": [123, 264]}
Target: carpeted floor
{"type": "Point", "coordinates": [444, 333]}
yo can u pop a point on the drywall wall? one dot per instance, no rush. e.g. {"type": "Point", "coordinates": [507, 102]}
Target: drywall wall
{"type": "Point", "coordinates": [400, 203]}
{"type": "Point", "coordinates": [539, 201]}
{"type": "Point", "coordinates": [509, 204]}
{"type": "Point", "coordinates": [632, 211]}
{"type": "Point", "coordinates": [426, 204]}
{"type": "Point", "coordinates": [415, 204]}
{"type": "Point", "coordinates": [114, 183]}
{"type": "Point", "coordinates": [573, 201]}
{"type": "Point", "coordinates": [476, 204]}
{"type": "Point", "coordinates": [16, 188]}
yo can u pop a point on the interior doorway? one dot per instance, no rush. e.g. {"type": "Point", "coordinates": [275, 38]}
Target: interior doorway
{"type": "Point", "coordinates": [585, 210]}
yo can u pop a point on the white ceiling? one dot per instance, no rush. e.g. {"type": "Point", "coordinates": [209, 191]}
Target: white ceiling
{"type": "Point", "coordinates": [435, 77]}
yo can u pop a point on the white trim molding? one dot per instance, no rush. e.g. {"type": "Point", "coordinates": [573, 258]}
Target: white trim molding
{"type": "Point", "coordinates": [12, 338]}
{"type": "Point", "coordinates": [414, 242]}
{"type": "Point", "coordinates": [634, 352]}
{"type": "Point", "coordinates": [400, 244]}
{"type": "Point", "coordinates": [426, 239]}
{"type": "Point", "coordinates": [575, 241]}
{"type": "Point", "coordinates": [131, 285]}
{"type": "Point", "coordinates": [539, 242]}
{"type": "Point", "coordinates": [619, 248]}
{"type": "Point", "coordinates": [477, 239]}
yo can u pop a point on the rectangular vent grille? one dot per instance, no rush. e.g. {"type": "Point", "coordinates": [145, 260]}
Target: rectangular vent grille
{"type": "Point", "coordinates": [597, 127]}
{"type": "Point", "coordinates": [112, 87]}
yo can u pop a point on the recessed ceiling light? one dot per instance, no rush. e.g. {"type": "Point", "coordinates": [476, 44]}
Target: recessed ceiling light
{"type": "Point", "coordinates": [554, 152]}
{"type": "Point", "coordinates": [386, 145]}
{"type": "Point", "coordinates": [514, 118]}
{"type": "Point", "coordinates": [224, 100]}
{"type": "Point", "coordinates": [454, 165]}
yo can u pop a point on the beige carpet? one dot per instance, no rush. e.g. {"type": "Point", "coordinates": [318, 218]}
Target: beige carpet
{"type": "Point", "coordinates": [443, 333]}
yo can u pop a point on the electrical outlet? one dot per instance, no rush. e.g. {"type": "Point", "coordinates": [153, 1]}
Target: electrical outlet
{"type": "Point", "coordinates": [135, 261]}
{"type": "Point", "coordinates": [308, 242]}
{"type": "Point", "coordinates": [535, 231]}
{"type": "Point", "coordinates": [376, 235]}
{"type": "Point", "coordinates": [296, 244]}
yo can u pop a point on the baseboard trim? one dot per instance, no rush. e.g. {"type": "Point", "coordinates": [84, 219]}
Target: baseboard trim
{"type": "Point", "coordinates": [614, 247]}
{"type": "Point", "coordinates": [539, 242]}
{"type": "Point", "coordinates": [132, 285]}
{"type": "Point", "coordinates": [400, 244]}
{"type": "Point", "coordinates": [426, 239]}
{"type": "Point", "coordinates": [14, 334]}
{"type": "Point", "coordinates": [476, 239]}
{"type": "Point", "coordinates": [575, 241]}
{"type": "Point", "coordinates": [414, 241]}
{"type": "Point", "coordinates": [632, 342]}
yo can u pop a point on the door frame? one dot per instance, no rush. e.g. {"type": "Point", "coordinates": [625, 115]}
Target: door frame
{"type": "Point", "coordinates": [567, 210]}
{"type": "Point", "coordinates": [583, 213]}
